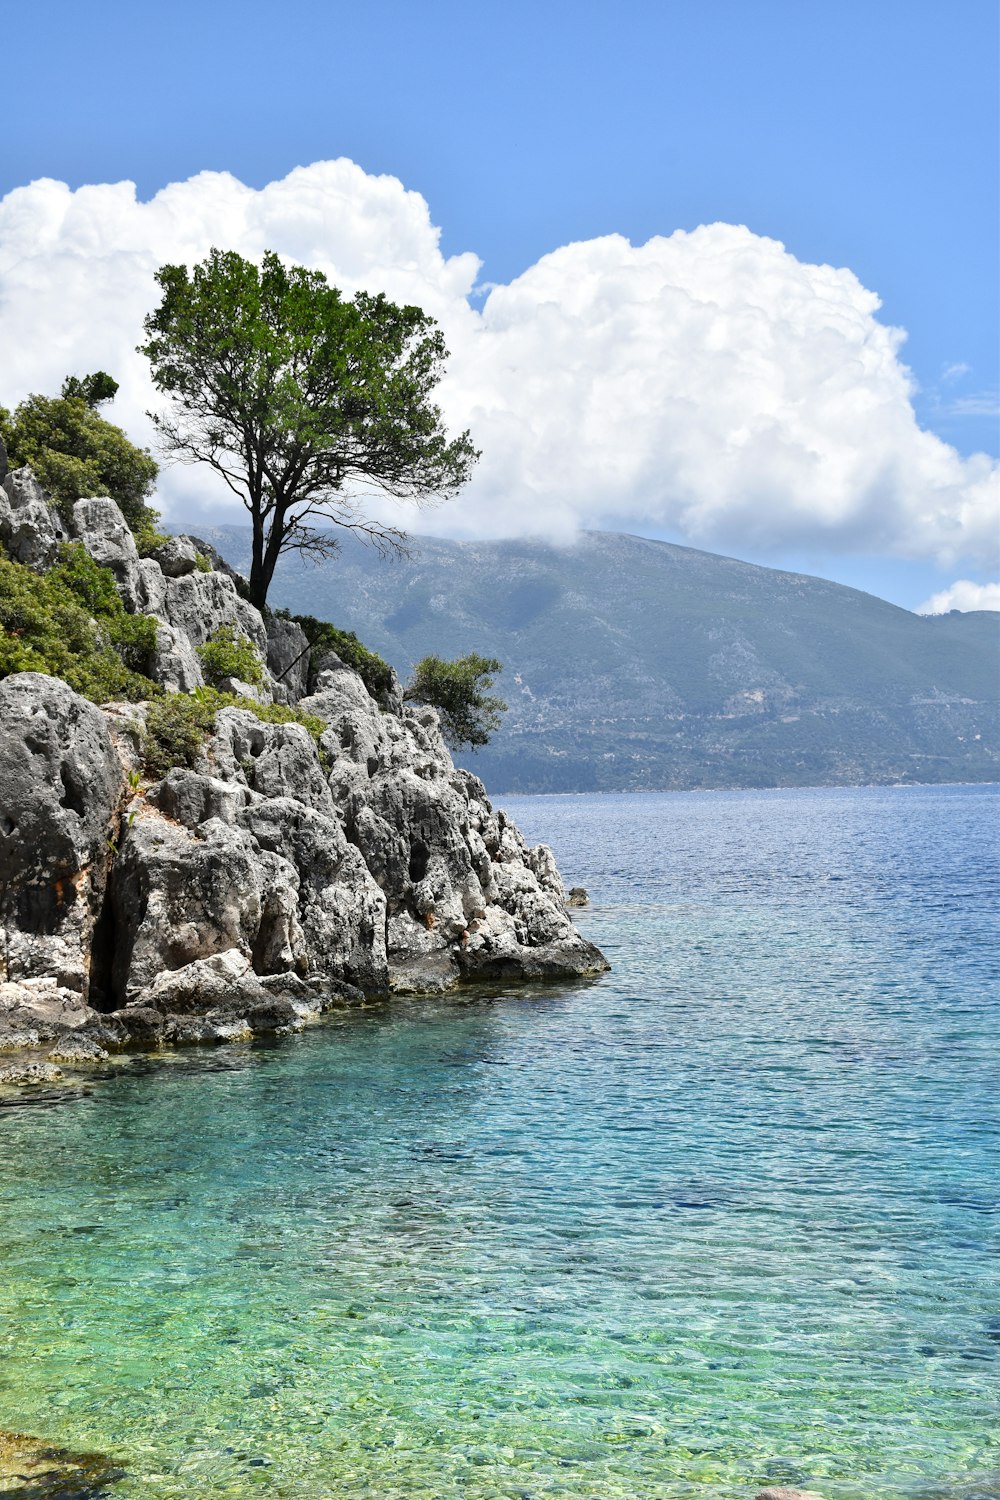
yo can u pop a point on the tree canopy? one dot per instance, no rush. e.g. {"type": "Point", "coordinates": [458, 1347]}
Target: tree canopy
{"type": "Point", "coordinates": [302, 400]}
{"type": "Point", "coordinates": [459, 690]}
{"type": "Point", "coordinates": [74, 452]}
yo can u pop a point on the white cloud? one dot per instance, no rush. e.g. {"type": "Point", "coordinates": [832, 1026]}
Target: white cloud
{"type": "Point", "coordinates": [706, 382]}
{"type": "Point", "coordinates": [962, 595]}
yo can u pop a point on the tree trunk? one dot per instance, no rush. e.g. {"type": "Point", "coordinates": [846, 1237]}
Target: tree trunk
{"type": "Point", "coordinates": [266, 551]}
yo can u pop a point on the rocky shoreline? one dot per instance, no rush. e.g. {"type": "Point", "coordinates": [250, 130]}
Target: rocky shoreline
{"type": "Point", "coordinates": [284, 871]}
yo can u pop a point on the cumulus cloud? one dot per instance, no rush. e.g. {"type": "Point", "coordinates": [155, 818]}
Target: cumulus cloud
{"type": "Point", "coordinates": [962, 595]}
{"type": "Point", "coordinates": [706, 382]}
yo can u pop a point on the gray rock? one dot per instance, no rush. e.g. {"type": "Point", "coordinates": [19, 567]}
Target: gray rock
{"type": "Point", "coordinates": [103, 530]}
{"type": "Point", "coordinates": [77, 1049]}
{"type": "Point", "coordinates": [191, 798]}
{"type": "Point", "coordinates": [198, 603]}
{"type": "Point", "coordinates": [577, 896]}
{"type": "Point", "coordinates": [175, 665]}
{"type": "Point", "coordinates": [61, 783]}
{"type": "Point", "coordinates": [29, 1070]}
{"type": "Point", "coordinates": [142, 1025]}
{"type": "Point", "coordinates": [30, 528]}
{"type": "Point", "coordinates": [781, 1492]}
{"type": "Point", "coordinates": [179, 896]}
{"type": "Point", "coordinates": [340, 912]}
{"type": "Point", "coordinates": [4, 461]}
{"type": "Point", "coordinates": [151, 587]}
{"type": "Point", "coordinates": [223, 979]}
{"type": "Point", "coordinates": [176, 556]}
{"type": "Point", "coordinates": [288, 656]}
{"type": "Point", "coordinates": [274, 760]}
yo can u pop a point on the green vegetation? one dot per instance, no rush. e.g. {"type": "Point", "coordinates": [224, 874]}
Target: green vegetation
{"type": "Point", "coordinates": [375, 673]}
{"type": "Point", "coordinates": [74, 452]}
{"type": "Point", "coordinates": [202, 563]}
{"type": "Point", "coordinates": [291, 394]}
{"type": "Point", "coordinates": [71, 623]}
{"type": "Point", "coordinates": [230, 653]}
{"type": "Point", "coordinates": [459, 690]}
{"type": "Point", "coordinates": [178, 725]}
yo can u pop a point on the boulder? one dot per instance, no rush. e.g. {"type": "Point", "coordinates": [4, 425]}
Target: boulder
{"type": "Point", "coordinates": [176, 556]}
{"type": "Point", "coordinates": [62, 783]}
{"type": "Point", "coordinates": [30, 1070]}
{"type": "Point", "coordinates": [225, 978]}
{"type": "Point", "coordinates": [782, 1492]}
{"type": "Point", "coordinates": [30, 528]}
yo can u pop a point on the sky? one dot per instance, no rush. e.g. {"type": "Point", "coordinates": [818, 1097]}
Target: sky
{"type": "Point", "coordinates": [720, 271]}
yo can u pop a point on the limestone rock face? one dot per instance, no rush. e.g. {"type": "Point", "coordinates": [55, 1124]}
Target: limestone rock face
{"type": "Point", "coordinates": [460, 885]}
{"type": "Point", "coordinates": [277, 878]}
{"type": "Point", "coordinates": [175, 665]}
{"type": "Point", "coordinates": [288, 656]}
{"type": "Point", "coordinates": [178, 896]}
{"type": "Point", "coordinates": [30, 529]}
{"type": "Point", "coordinates": [199, 603]}
{"type": "Point", "coordinates": [61, 787]}
{"type": "Point", "coordinates": [103, 530]}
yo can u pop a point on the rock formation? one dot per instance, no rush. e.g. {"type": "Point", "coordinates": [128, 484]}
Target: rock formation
{"type": "Point", "coordinates": [270, 880]}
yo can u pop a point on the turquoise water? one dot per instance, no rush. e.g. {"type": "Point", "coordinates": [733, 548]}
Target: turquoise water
{"type": "Point", "coordinates": [728, 1215]}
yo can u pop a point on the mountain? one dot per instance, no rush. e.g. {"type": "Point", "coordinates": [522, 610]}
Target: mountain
{"type": "Point", "coordinates": [636, 664]}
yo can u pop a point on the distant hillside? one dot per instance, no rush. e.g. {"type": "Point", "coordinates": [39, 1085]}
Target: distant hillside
{"type": "Point", "coordinates": [636, 664]}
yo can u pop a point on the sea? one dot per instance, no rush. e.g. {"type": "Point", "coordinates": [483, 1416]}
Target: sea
{"type": "Point", "coordinates": [725, 1217]}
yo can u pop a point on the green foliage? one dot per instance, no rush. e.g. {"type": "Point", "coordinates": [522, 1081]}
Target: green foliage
{"type": "Point", "coordinates": [201, 563]}
{"type": "Point", "coordinates": [70, 623]}
{"type": "Point", "coordinates": [75, 453]}
{"type": "Point", "coordinates": [375, 673]}
{"type": "Point", "coordinates": [230, 653]}
{"type": "Point", "coordinates": [178, 725]}
{"type": "Point", "coordinates": [95, 389]}
{"type": "Point", "coordinates": [459, 690]}
{"type": "Point", "coordinates": [291, 393]}
{"type": "Point", "coordinates": [176, 729]}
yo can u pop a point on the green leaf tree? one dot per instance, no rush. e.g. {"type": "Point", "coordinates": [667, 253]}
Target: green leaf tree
{"type": "Point", "coordinates": [459, 690]}
{"type": "Point", "coordinates": [74, 452]}
{"type": "Point", "coordinates": [303, 401]}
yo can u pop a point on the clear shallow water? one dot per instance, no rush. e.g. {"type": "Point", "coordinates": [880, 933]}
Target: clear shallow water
{"type": "Point", "coordinates": [728, 1215]}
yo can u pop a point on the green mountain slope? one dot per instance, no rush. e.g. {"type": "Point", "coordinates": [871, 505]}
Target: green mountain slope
{"type": "Point", "coordinates": [632, 663]}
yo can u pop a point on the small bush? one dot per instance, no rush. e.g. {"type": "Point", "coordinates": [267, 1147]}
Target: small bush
{"type": "Point", "coordinates": [176, 729]}
{"type": "Point", "coordinates": [71, 623]}
{"type": "Point", "coordinates": [375, 673]}
{"type": "Point", "coordinates": [230, 653]}
{"type": "Point", "coordinates": [459, 690]}
{"type": "Point", "coordinates": [202, 563]}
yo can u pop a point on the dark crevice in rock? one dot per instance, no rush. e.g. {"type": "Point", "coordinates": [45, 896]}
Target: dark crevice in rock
{"type": "Point", "coordinates": [419, 858]}
{"type": "Point", "coordinates": [74, 795]}
{"type": "Point", "coordinates": [102, 955]}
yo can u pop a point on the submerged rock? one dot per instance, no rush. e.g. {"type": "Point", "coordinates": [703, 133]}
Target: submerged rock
{"type": "Point", "coordinates": [781, 1492]}
{"type": "Point", "coordinates": [41, 1471]}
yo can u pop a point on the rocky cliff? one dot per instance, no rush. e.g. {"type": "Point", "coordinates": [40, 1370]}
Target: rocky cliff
{"type": "Point", "coordinates": [288, 867]}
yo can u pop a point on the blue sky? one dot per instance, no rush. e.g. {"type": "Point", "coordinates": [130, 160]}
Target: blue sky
{"type": "Point", "coordinates": [860, 135]}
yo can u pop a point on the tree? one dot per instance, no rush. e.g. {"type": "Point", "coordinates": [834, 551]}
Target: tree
{"type": "Point", "coordinates": [74, 452]}
{"type": "Point", "coordinates": [301, 399]}
{"type": "Point", "coordinates": [459, 690]}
